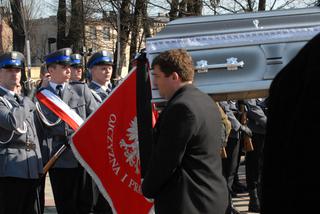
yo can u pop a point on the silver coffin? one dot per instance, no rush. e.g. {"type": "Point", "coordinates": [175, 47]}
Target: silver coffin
{"type": "Point", "coordinates": [237, 56]}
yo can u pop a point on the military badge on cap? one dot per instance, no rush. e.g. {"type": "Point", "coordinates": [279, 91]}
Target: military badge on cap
{"type": "Point", "coordinates": [76, 60]}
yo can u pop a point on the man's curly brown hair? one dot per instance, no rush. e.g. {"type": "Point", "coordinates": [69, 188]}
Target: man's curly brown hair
{"type": "Point", "coordinates": [175, 60]}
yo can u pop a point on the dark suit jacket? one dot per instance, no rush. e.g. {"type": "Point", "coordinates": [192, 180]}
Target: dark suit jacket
{"type": "Point", "coordinates": [291, 154]}
{"type": "Point", "coordinates": [185, 173]}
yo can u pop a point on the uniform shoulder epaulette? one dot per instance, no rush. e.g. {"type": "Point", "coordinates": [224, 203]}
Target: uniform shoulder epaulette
{"type": "Point", "coordinates": [96, 95]}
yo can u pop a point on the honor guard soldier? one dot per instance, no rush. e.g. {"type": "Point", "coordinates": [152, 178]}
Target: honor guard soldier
{"type": "Point", "coordinates": [76, 67]}
{"type": "Point", "coordinates": [66, 176]}
{"type": "Point", "coordinates": [100, 65]}
{"type": "Point", "coordinates": [229, 164]}
{"type": "Point", "coordinates": [20, 157]}
{"type": "Point", "coordinates": [257, 121]}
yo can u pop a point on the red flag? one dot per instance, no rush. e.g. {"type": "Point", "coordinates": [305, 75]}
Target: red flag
{"type": "Point", "coordinates": [107, 146]}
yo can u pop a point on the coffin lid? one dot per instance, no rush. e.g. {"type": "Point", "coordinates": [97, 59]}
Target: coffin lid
{"type": "Point", "coordinates": [264, 41]}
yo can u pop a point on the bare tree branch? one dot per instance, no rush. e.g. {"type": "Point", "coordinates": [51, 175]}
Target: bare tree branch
{"type": "Point", "coordinates": [250, 5]}
{"type": "Point", "coordinates": [157, 5]}
{"type": "Point", "coordinates": [243, 7]}
{"type": "Point", "coordinates": [288, 2]}
{"type": "Point", "coordinates": [273, 4]}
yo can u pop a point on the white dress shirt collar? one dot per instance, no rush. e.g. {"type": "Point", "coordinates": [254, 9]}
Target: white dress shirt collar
{"type": "Point", "coordinates": [54, 85]}
{"type": "Point", "coordinates": [8, 91]}
{"type": "Point", "coordinates": [104, 87]}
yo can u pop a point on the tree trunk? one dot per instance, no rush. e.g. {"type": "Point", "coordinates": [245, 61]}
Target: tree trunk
{"type": "Point", "coordinates": [18, 33]}
{"type": "Point", "coordinates": [194, 8]}
{"type": "Point", "coordinates": [136, 26]}
{"type": "Point", "coordinates": [125, 18]}
{"type": "Point", "coordinates": [62, 20]}
{"type": "Point", "coordinates": [262, 5]}
{"type": "Point", "coordinates": [146, 22]}
{"type": "Point", "coordinates": [182, 8]}
{"type": "Point", "coordinates": [75, 36]}
{"type": "Point", "coordinates": [17, 26]}
{"type": "Point", "coordinates": [174, 9]}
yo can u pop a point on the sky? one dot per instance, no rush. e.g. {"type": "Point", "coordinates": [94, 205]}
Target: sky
{"type": "Point", "coordinates": [49, 7]}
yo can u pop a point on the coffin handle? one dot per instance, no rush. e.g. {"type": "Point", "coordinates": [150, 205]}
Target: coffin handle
{"type": "Point", "coordinates": [231, 64]}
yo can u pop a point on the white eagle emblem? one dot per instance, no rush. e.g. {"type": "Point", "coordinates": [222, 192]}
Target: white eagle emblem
{"type": "Point", "coordinates": [131, 150]}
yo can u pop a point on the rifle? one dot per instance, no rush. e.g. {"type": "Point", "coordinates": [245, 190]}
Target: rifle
{"type": "Point", "coordinates": [247, 143]}
{"type": "Point", "coordinates": [227, 125]}
{"type": "Point", "coordinates": [28, 83]}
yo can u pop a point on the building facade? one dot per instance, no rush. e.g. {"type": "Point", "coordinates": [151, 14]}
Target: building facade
{"type": "Point", "coordinates": [99, 34]}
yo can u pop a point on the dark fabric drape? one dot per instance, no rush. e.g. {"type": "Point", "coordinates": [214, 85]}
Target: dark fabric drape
{"type": "Point", "coordinates": [144, 112]}
{"type": "Point", "coordinates": [290, 154]}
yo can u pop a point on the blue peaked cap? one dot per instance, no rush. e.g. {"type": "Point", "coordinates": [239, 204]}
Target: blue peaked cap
{"type": "Point", "coordinates": [100, 58]}
{"type": "Point", "coordinates": [12, 59]}
{"type": "Point", "coordinates": [61, 56]}
{"type": "Point", "coordinates": [76, 60]}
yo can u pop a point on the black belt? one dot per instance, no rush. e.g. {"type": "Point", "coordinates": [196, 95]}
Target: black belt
{"type": "Point", "coordinates": [27, 146]}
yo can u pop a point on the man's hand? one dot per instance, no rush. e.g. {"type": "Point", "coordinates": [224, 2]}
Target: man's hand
{"type": "Point", "coordinates": [246, 130]}
{"type": "Point", "coordinates": [45, 81]}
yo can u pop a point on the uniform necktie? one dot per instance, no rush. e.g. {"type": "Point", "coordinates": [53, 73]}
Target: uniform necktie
{"type": "Point", "coordinates": [59, 90]}
{"type": "Point", "coordinates": [109, 88]}
{"type": "Point", "coordinates": [17, 98]}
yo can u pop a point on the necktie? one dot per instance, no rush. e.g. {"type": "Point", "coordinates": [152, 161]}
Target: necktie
{"type": "Point", "coordinates": [109, 88]}
{"type": "Point", "coordinates": [59, 90]}
{"type": "Point", "coordinates": [17, 98]}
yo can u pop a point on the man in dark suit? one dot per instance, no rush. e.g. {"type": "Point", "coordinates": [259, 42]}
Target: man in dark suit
{"type": "Point", "coordinates": [185, 171]}
{"type": "Point", "coordinates": [20, 157]}
{"type": "Point", "coordinates": [67, 176]}
{"type": "Point", "coordinates": [291, 154]}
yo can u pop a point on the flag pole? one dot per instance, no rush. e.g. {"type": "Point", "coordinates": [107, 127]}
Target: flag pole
{"type": "Point", "coordinates": [54, 159]}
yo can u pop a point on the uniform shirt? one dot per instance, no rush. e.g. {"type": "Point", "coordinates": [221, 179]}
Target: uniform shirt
{"type": "Point", "coordinates": [54, 85]}
{"type": "Point", "coordinates": [107, 87]}
{"type": "Point", "coordinates": [101, 91]}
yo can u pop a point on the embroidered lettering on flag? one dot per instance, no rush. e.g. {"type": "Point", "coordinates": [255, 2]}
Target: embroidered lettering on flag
{"type": "Point", "coordinates": [107, 146]}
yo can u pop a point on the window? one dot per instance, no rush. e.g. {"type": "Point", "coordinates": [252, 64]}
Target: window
{"type": "Point", "coordinates": [106, 34]}
{"type": "Point", "coordinates": [93, 32]}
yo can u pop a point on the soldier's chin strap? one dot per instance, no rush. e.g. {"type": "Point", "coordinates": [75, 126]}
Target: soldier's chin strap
{"type": "Point", "coordinates": [44, 119]}
{"type": "Point", "coordinates": [17, 130]}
